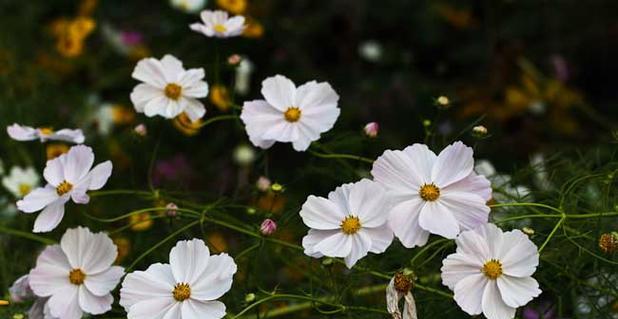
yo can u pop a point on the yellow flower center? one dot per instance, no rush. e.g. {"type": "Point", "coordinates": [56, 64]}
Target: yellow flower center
{"type": "Point", "coordinates": [64, 188]}
{"type": "Point", "coordinates": [173, 91]}
{"type": "Point", "coordinates": [292, 114]}
{"type": "Point", "coordinates": [46, 130]}
{"type": "Point", "coordinates": [220, 28]}
{"type": "Point", "coordinates": [182, 292]}
{"type": "Point", "coordinates": [77, 276]}
{"type": "Point", "coordinates": [350, 225]}
{"type": "Point", "coordinates": [492, 269]}
{"type": "Point", "coordinates": [24, 189]}
{"type": "Point", "coordinates": [429, 192]}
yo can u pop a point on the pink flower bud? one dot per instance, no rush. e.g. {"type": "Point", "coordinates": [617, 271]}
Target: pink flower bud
{"type": "Point", "coordinates": [371, 129]}
{"type": "Point", "coordinates": [140, 130]}
{"type": "Point", "coordinates": [172, 210]}
{"type": "Point", "coordinates": [234, 59]}
{"type": "Point", "coordinates": [268, 227]}
{"type": "Point", "coordinates": [263, 184]}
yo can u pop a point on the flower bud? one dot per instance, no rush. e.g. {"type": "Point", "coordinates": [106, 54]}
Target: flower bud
{"type": "Point", "coordinates": [172, 210]}
{"type": "Point", "coordinates": [608, 242]}
{"type": "Point", "coordinates": [249, 297]}
{"type": "Point", "coordinates": [277, 188]}
{"type": "Point", "coordinates": [268, 227]}
{"type": "Point", "coordinates": [443, 102]}
{"type": "Point", "coordinates": [263, 183]}
{"type": "Point", "coordinates": [479, 131]}
{"type": "Point", "coordinates": [234, 59]}
{"type": "Point", "coordinates": [371, 129]}
{"type": "Point", "coordinates": [140, 130]}
{"type": "Point", "coordinates": [528, 231]}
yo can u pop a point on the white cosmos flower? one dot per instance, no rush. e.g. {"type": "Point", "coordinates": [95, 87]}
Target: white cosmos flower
{"type": "Point", "coordinates": [438, 194]}
{"type": "Point", "coordinates": [218, 24]}
{"type": "Point", "coordinates": [188, 6]}
{"type": "Point", "coordinates": [168, 88]}
{"type": "Point", "coordinates": [69, 176]}
{"type": "Point", "coordinates": [186, 288]}
{"type": "Point", "coordinates": [44, 134]}
{"type": "Point", "coordinates": [77, 275]}
{"type": "Point", "coordinates": [491, 271]}
{"type": "Point", "coordinates": [349, 223]}
{"type": "Point", "coordinates": [289, 113]}
{"type": "Point", "coordinates": [21, 181]}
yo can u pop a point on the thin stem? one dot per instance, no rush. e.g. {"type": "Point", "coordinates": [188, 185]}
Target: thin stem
{"type": "Point", "coordinates": [219, 118]}
{"type": "Point", "coordinates": [26, 235]}
{"type": "Point", "coordinates": [342, 156]}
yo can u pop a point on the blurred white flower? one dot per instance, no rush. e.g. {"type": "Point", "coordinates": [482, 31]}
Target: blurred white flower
{"type": "Point", "coordinates": [491, 272]}
{"type": "Point", "coordinates": [438, 194]}
{"type": "Point", "coordinates": [370, 50]}
{"type": "Point", "coordinates": [21, 181]}
{"type": "Point", "coordinates": [218, 24]}
{"type": "Point", "coordinates": [350, 223]}
{"type": "Point", "coordinates": [243, 76]}
{"type": "Point", "coordinates": [77, 275]}
{"type": "Point", "coordinates": [186, 288]}
{"type": "Point", "coordinates": [69, 176]}
{"type": "Point", "coordinates": [296, 115]}
{"type": "Point", "coordinates": [244, 155]}
{"type": "Point", "coordinates": [44, 134]}
{"type": "Point", "coordinates": [541, 176]}
{"type": "Point", "coordinates": [168, 88]}
{"type": "Point", "coordinates": [188, 6]}
{"type": "Point", "coordinates": [508, 192]}
{"type": "Point", "coordinates": [263, 183]}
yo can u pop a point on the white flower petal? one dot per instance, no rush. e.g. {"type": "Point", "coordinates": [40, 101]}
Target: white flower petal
{"type": "Point", "coordinates": [50, 217]}
{"type": "Point", "coordinates": [437, 219]}
{"type": "Point", "coordinates": [315, 98]}
{"type": "Point", "coordinates": [469, 293]}
{"type": "Point", "coordinates": [154, 308]}
{"type": "Point", "coordinates": [519, 255]}
{"type": "Point", "coordinates": [475, 184]}
{"type": "Point", "coordinates": [94, 304]}
{"type": "Point", "coordinates": [156, 282]}
{"type": "Point", "coordinates": [157, 106]}
{"type": "Point", "coordinates": [174, 312]}
{"type": "Point", "coordinates": [494, 237]}
{"type": "Point", "coordinates": [469, 209]}
{"type": "Point", "coordinates": [517, 292]}
{"type": "Point", "coordinates": [279, 92]}
{"type": "Point", "coordinates": [456, 267]}
{"type": "Point", "coordinates": [403, 220]}
{"type": "Point", "coordinates": [404, 171]}
{"type": "Point", "coordinates": [471, 243]}
{"type": "Point", "coordinates": [258, 117]}
{"type": "Point", "coordinates": [93, 253]}
{"type": "Point", "coordinates": [492, 304]}
{"type": "Point", "coordinates": [216, 279]}
{"type": "Point", "coordinates": [189, 259]}
{"type": "Point", "coordinates": [313, 237]}
{"type": "Point", "coordinates": [381, 238]}
{"type": "Point", "coordinates": [361, 243]}
{"type": "Point", "coordinates": [51, 272]}
{"type": "Point", "coordinates": [172, 68]}
{"type": "Point", "coordinates": [368, 201]}
{"type": "Point", "coordinates": [142, 94]}
{"type": "Point", "coordinates": [65, 304]}
{"type": "Point", "coordinates": [78, 162]}
{"type": "Point", "coordinates": [321, 213]}
{"type": "Point", "coordinates": [337, 245]}
{"type": "Point", "coordinates": [54, 170]}
{"type": "Point", "coordinates": [22, 133]}
{"type": "Point", "coordinates": [69, 135]}
{"type": "Point", "coordinates": [453, 164]}
{"type": "Point", "coordinates": [150, 70]}
{"type": "Point", "coordinates": [192, 84]}
{"type": "Point", "coordinates": [194, 109]}
{"type": "Point", "coordinates": [99, 175]}
{"type": "Point", "coordinates": [194, 309]}
{"type": "Point", "coordinates": [38, 199]}
{"type": "Point", "coordinates": [104, 282]}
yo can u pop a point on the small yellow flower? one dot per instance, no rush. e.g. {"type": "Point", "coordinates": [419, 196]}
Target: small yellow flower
{"type": "Point", "coordinates": [4, 302]}
{"type": "Point", "coordinates": [233, 6]}
{"type": "Point", "coordinates": [71, 33]}
{"type": "Point", "coordinates": [185, 126]}
{"type": "Point", "coordinates": [253, 29]}
{"type": "Point", "coordinates": [124, 247]}
{"type": "Point", "coordinates": [122, 114]}
{"type": "Point", "coordinates": [54, 150]}
{"type": "Point", "coordinates": [141, 221]}
{"type": "Point", "coordinates": [220, 97]}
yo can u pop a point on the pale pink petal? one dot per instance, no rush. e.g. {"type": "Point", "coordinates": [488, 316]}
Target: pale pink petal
{"type": "Point", "coordinates": [313, 237]}
{"type": "Point", "coordinates": [475, 184]}
{"type": "Point", "coordinates": [381, 238]}
{"type": "Point", "coordinates": [154, 308]}
{"type": "Point", "coordinates": [189, 259]}
{"type": "Point", "coordinates": [469, 209]}
{"type": "Point", "coordinates": [156, 282]}
{"type": "Point", "coordinates": [20, 290]}
{"type": "Point", "coordinates": [144, 93]}
{"type": "Point", "coordinates": [422, 160]}
{"type": "Point", "coordinates": [453, 164]}
{"type": "Point", "coordinates": [150, 70]}
{"type": "Point", "coordinates": [93, 253]}
{"type": "Point", "coordinates": [337, 245]}
{"type": "Point", "coordinates": [403, 220]}
{"type": "Point", "coordinates": [279, 92]}
{"type": "Point", "coordinates": [50, 217]}
{"type": "Point", "coordinates": [104, 282]}
{"type": "Point", "coordinates": [38, 199]}
{"type": "Point", "coordinates": [51, 272]}
{"type": "Point", "coordinates": [99, 175]}
{"type": "Point", "coordinates": [54, 170]}
{"type": "Point", "coordinates": [65, 303]}
{"type": "Point", "coordinates": [437, 219]}
{"type": "Point", "coordinates": [469, 293]}
{"type": "Point", "coordinates": [519, 255]}
{"type": "Point", "coordinates": [471, 243]}
{"type": "Point", "coordinates": [69, 135]}
{"type": "Point", "coordinates": [320, 213]}
{"type": "Point", "coordinates": [194, 309]}
{"type": "Point", "coordinates": [39, 309]}
{"type": "Point", "coordinates": [456, 267]}
{"type": "Point", "coordinates": [78, 162]}
{"type": "Point", "coordinates": [92, 304]}
{"type": "Point", "coordinates": [22, 133]}
{"type": "Point", "coordinates": [216, 279]}
{"type": "Point", "coordinates": [517, 292]}
{"type": "Point", "coordinates": [493, 305]}
{"type": "Point", "coordinates": [494, 237]}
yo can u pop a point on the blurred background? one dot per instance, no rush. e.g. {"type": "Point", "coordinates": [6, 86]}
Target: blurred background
{"type": "Point", "coordinates": [538, 75]}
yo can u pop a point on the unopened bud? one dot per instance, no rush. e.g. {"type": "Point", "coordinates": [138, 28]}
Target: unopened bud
{"type": "Point", "coordinates": [443, 102]}
{"type": "Point", "coordinates": [263, 183]}
{"type": "Point", "coordinates": [172, 210]}
{"type": "Point", "coordinates": [268, 227]}
{"type": "Point", "coordinates": [249, 298]}
{"type": "Point", "coordinates": [371, 129]}
{"type": "Point", "coordinates": [608, 242]}
{"type": "Point", "coordinates": [141, 130]}
{"type": "Point", "coordinates": [234, 59]}
{"type": "Point", "coordinates": [479, 131]}
{"type": "Point", "coordinates": [528, 231]}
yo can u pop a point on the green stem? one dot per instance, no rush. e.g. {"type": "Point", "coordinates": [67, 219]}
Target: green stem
{"type": "Point", "coordinates": [219, 118]}
{"type": "Point", "coordinates": [26, 235]}
{"type": "Point", "coordinates": [342, 156]}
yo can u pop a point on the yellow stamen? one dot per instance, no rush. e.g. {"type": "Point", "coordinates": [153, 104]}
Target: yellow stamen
{"type": "Point", "coordinates": [64, 188]}
{"type": "Point", "coordinates": [350, 225]}
{"type": "Point", "coordinates": [173, 91]}
{"type": "Point", "coordinates": [24, 189]}
{"type": "Point", "coordinates": [292, 114]}
{"type": "Point", "coordinates": [46, 130]}
{"type": "Point", "coordinates": [220, 28]}
{"type": "Point", "coordinates": [429, 192]}
{"type": "Point", "coordinates": [492, 269]}
{"type": "Point", "coordinates": [77, 276]}
{"type": "Point", "coordinates": [182, 292]}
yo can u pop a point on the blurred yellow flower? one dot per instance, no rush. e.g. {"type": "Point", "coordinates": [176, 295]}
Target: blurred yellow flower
{"type": "Point", "coordinates": [220, 97]}
{"type": "Point", "coordinates": [54, 150]}
{"type": "Point", "coordinates": [216, 242]}
{"type": "Point", "coordinates": [273, 202]}
{"type": "Point", "coordinates": [253, 29]}
{"type": "Point", "coordinates": [71, 33]}
{"type": "Point", "coordinates": [4, 302]}
{"type": "Point", "coordinates": [185, 126]}
{"type": "Point", "coordinates": [233, 6]}
{"type": "Point", "coordinates": [87, 7]}
{"type": "Point", "coordinates": [124, 248]}
{"type": "Point", "coordinates": [141, 221]}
